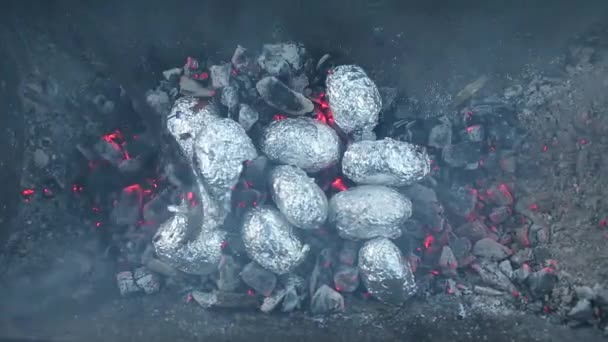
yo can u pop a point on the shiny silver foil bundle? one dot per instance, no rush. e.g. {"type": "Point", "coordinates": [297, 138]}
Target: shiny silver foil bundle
{"type": "Point", "coordinates": [306, 143]}
{"type": "Point", "coordinates": [298, 197]}
{"type": "Point", "coordinates": [270, 241]}
{"type": "Point", "coordinates": [186, 119]}
{"type": "Point", "coordinates": [385, 162]}
{"type": "Point", "coordinates": [190, 249]}
{"type": "Point", "coordinates": [369, 211]}
{"type": "Point", "coordinates": [385, 272]}
{"type": "Point", "coordinates": [353, 98]}
{"type": "Point", "coordinates": [221, 146]}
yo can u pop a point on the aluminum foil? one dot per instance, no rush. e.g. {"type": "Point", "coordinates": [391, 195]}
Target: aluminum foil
{"type": "Point", "coordinates": [385, 273]}
{"type": "Point", "coordinates": [385, 162]}
{"type": "Point", "coordinates": [186, 119]}
{"type": "Point", "coordinates": [298, 197]}
{"type": "Point", "coordinates": [353, 98]}
{"type": "Point", "coordinates": [369, 211]}
{"type": "Point", "coordinates": [199, 255]}
{"type": "Point", "coordinates": [306, 143]}
{"type": "Point", "coordinates": [270, 240]}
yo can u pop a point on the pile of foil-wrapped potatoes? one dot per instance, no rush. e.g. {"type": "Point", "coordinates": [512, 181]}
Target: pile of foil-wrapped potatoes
{"type": "Point", "coordinates": [372, 212]}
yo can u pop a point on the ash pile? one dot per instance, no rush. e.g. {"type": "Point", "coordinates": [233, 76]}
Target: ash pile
{"type": "Point", "coordinates": [293, 183]}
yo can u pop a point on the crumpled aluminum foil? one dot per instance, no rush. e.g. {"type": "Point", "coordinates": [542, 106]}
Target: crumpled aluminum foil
{"type": "Point", "coordinates": [385, 273]}
{"type": "Point", "coordinates": [385, 162]}
{"type": "Point", "coordinates": [298, 197]}
{"type": "Point", "coordinates": [369, 211]}
{"type": "Point", "coordinates": [270, 240]}
{"type": "Point", "coordinates": [303, 142]}
{"type": "Point", "coordinates": [221, 146]}
{"type": "Point", "coordinates": [173, 245]}
{"type": "Point", "coordinates": [186, 119]}
{"type": "Point", "coordinates": [353, 98]}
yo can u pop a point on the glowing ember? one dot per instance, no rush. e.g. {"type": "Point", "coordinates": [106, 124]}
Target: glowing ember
{"type": "Point", "coordinates": [338, 184]}
{"type": "Point", "coordinates": [533, 207]}
{"type": "Point", "coordinates": [278, 117]}
{"type": "Point", "coordinates": [117, 142]}
{"type": "Point", "coordinates": [428, 241]}
{"type": "Point", "coordinates": [545, 148]}
{"type": "Point", "coordinates": [603, 222]}
{"type": "Point", "coordinates": [224, 244]}
{"type": "Point", "coordinates": [250, 292]}
{"type": "Point", "coordinates": [97, 224]}
{"type": "Point", "coordinates": [28, 192]}
{"type": "Point", "coordinates": [435, 272]}
{"type": "Point", "coordinates": [583, 142]}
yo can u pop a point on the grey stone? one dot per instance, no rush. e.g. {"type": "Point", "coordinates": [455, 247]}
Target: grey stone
{"type": "Point", "coordinates": [240, 58]}
{"type": "Point", "coordinates": [41, 159]}
{"type": "Point", "coordinates": [149, 282]}
{"type": "Point", "coordinates": [490, 249]}
{"type": "Point", "coordinates": [346, 279]}
{"type": "Point", "coordinates": [278, 95]}
{"type": "Point", "coordinates": [440, 136]}
{"type": "Point", "coordinates": [258, 278]}
{"type": "Point", "coordinates": [126, 283]}
{"type": "Point", "coordinates": [229, 274]}
{"type": "Point", "coordinates": [272, 301]}
{"type": "Point", "coordinates": [247, 116]}
{"type": "Point", "coordinates": [326, 300]}
{"type": "Point", "coordinates": [127, 209]}
{"type": "Point", "coordinates": [159, 101]}
{"type": "Point", "coordinates": [299, 83]}
{"type": "Point", "coordinates": [220, 75]}
{"type": "Point", "coordinates": [291, 300]}
{"type": "Point", "coordinates": [226, 300]}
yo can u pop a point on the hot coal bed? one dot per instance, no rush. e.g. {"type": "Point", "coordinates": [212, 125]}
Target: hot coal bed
{"type": "Point", "coordinates": [296, 183]}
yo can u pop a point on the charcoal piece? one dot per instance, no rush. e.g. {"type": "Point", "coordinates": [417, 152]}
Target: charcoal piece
{"type": "Point", "coordinates": [462, 154]}
{"type": "Point", "coordinates": [348, 253]}
{"type": "Point", "coordinates": [298, 197]}
{"type": "Point", "coordinates": [474, 230]}
{"type": "Point", "coordinates": [322, 272]}
{"type": "Point", "coordinates": [155, 211]}
{"type": "Point", "coordinates": [461, 248]}
{"type": "Point", "coordinates": [490, 249]}
{"type": "Point", "coordinates": [186, 119]}
{"type": "Point", "coordinates": [353, 98]}
{"type": "Point", "coordinates": [299, 83]}
{"type": "Point", "coordinates": [278, 95]}
{"type": "Point", "coordinates": [447, 261]}
{"type": "Point", "coordinates": [109, 152]}
{"type": "Point", "coordinates": [230, 98]}
{"type": "Point", "coordinates": [346, 279]}
{"type": "Point", "coordinates": [389, 97]}
{"type": "Point", "coordinates": [259, 279]}
{"type": "Point", "coordinates": [270, 240]}
{"type": "Point", "coordinates": [305, 143]}
{"type": "Point", "coordinates": [499, 214]}
{"type": "Point", "coordinates": [229, 274]}
{"type": "Point", "coordinates": [220, 75]}
{"type": "Point", "coordinates": [460, 201]}
{"type": "Point", "coordinates": [385, 162]}
{"type": "Point", "coordinates": [295, 287]}
{"type": "Point", "coordinates": [291, 300]}
{"type": "Point", "coordinates": [425, 205]}
{"type": "Point", "coordinates": [385, 273]}
{"type": "Point", "coordinates": [272, 301]}
{"type": "Point", "coordinates": [326, 300]}
{"type": "Point", "coordinates": [491, 275]}
{"type": "Point", "coordinates": [582, 311]}
{"type": "Point", "coordinates": [521, 274]}
{"type": "Point", "coordinates": [256, 172]}
{"type": "Point", "coordinates": [225, 300]}
{"type": "Point", "coordinates": [500, 194]}
{"type": "Point", "coordinates": [440, 136]}
{"type": "Point", "coordinates": [190, 87]}
{"type": "Point", "coordinates": [159, 101]}
{"type": "Point", "coordinates": [369, 211]}
{"type": "Point", "coordinates": [487, 291]}
{"type": "Point", "coordinates": [508, 162]}
{"type": "Point", "coordinates": [126, 283]}
{"type": "Point", "coordinates": [149, 282]}
{"type": "Point", "coordinates": [475, 133]}
{"type": "Point", "coordinates": [542, 282]}
{"type": "Point", "coordinates": [160, 267]}
{"type": "Point", "coordinates": [128, 208]}
{"type": "Point", "coordinates": [282, 59]}
{"type": "Point", "coordinates": [522, 256]}
{"type": "Point", "coordinates": [241, 59]}
{"type": "Point", "coordinates": [205, 299]}
{"type": "Point", "coordinates": [506, 268]}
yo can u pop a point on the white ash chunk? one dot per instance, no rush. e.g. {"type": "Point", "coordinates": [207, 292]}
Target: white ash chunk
{"type": "Point", "coordinates": [306, 143]}
{"type": "Point", "coordinates": [369, 211]}
{"type": "Point", "coordinates": [247, 116]}
{"type": "Point", "coordinates": [385, 162]}
{"type": "Point", "coordinates": [126, 283]}
{"type": "Point", "coordinates": [282, 59]}
{"type": "Point", "coordinates": [298, 197]}
{"type": "Point", "coordinates": [186, 119]}
{"type": "Point", "coordinates": [386, 274]}
{"type": "Point", "coordinates": [146, 280]}
{"type": "Point", "coordinates": [270, 240]}
{"type": "Point", "coordinates": [353, 98]}
{"type": "Point", "coordinates": [220, 75]}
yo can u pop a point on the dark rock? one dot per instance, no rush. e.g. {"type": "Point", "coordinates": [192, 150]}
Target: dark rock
{"type": "Point", "coordinates": [127, 209]}
{"type": "Point", "coordinates": [440, 136]}
{"type": "Point", "coordinates": [500, 194]}
{"type": "Point", "coordinates": [149, 282]}
{"type": "Point", "coordinates": [220, 75]}
{"type": "Point", "coordinates": [108, 151]}
{"type": "Point", "coordinates": [542, 282]}
{"type": "Point", "coordinates": [272, 301]}
{"type": "Point", "coordinates": [247, 116]}
{"type": "Point", "coordinates": [278, 95]}
{"type": "Point", "coordinates": [258, 278]}
{"type": "Point", "coordinates": [499, 214]}
{"type": "Point", "coordinates": [490, 249]}
{"type": "Point", "coordinates": [475, 133]}
{"type": "Point", "coordinates": [326, 300]}
{"type": "Point", "coordinates": [474, 230]}
{"type": "Point", "coordinates": [229, 274]}
{"type": "Point", "coordinates": [582, 311]}
{"type": "Point", "coordinates": [388, 96]}
{"type": "Point", "coordinates": [491, 275]}
{"type": "Point", "coordinates": [462, 154]}
{"type": "Point", "coordinates": [460, 200]}
{"type": "Point", "coordinates": [346, 279]}
{"type": "Point", "coordinates": [425, 206]}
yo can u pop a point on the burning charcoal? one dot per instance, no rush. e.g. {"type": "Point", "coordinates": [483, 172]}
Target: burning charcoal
{"type": "Point", "coordinates": [230, 98]}
{"type": "Point", "coordinates": [500, 195]}
{"type": "Point", "coordinates": [146, 280]}
{"type": "Point", "coordinates": [385, 162]}
{"type": "Point", "coordinates": [229, 274]}
{"type": "Point", "coordinates": [460, 201]}
{"type": "Point", "coordinates": [278, 95]}
{"type": "Point", "coordinates": [282, 59]}
{"type": "Point", "coordinates": [305, 143]}
{"type": "Point", "coordinates": [474, 230]}
{"type": "Point", "coordinates": [475, 133]}
{"type": "Point", "coordinates": [425, 205]}
{"type": "Point", "coordinates": [348, 254]}
{"type": "Point", "coordinates": [298, 197]}
{"type": "Point", "coordinates": [491, 275]}
{"type": "Point", "coordinates": [440, 136]}
{"type": "Point", "coordinates": [270, 240]}
{"type": "Point", "coordinates": [198, 256]}
{"type": "Point", "coordinates": [247, 116]}
{"type": "Point", "coordinates": [241, 59]}
{"type": "Point", "coordinates": [388, 96]}
{"type": "Point", "coordinates": [185, 121]}
{"type": "Point", "coordinates": [221, 147]}
{"type": "Point", "coordinates": [521, 274]}
{"type": "Point", "coordinates": [542, 282]}
{"type": "Point", "coordinates": [326, 301]}
{"type": "Point", "coordinates": [256, 172]}
{"type": "Point", "coordinates": [499, 214]}
{"type": "Point", "coordinates": [220, 75]}
{"type": "Point", "coordinates": [506, 268]}
{"type": "Point", "coordinates": [109, 151]}
{"type": "Point", "coordinates": [271, 302]}
{"type": "Point", "coordinates": [346, 279]}
{"type": "Point", "coordinates": [225, 300]}
{"type": "Point", "coordinates": [353, 98]}
{"type": "Point", "coordinates": [385, 273]}
{"type": "Point", "coordinates": [447, 261]}
{"type": "Point", "coordinates": [127, 209]}
{"type": "Point", "coordinates": [190, 87]}
{"type": "Point", "coordinates": [462, 154]}
{"type": "Point", "coordinates": [369, 211]}
{"type": "Point", "coordinates": [259, 279]}
{"type": "Point", "coordinates": [126, 283]}
{"type": "Point", "coordinates": [582, 311]}
{"type": "Point", "coordinates": [490, 249]}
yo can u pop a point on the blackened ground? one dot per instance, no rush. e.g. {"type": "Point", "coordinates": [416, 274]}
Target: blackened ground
{"type": "Point", "coordinates": [55, 283]}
